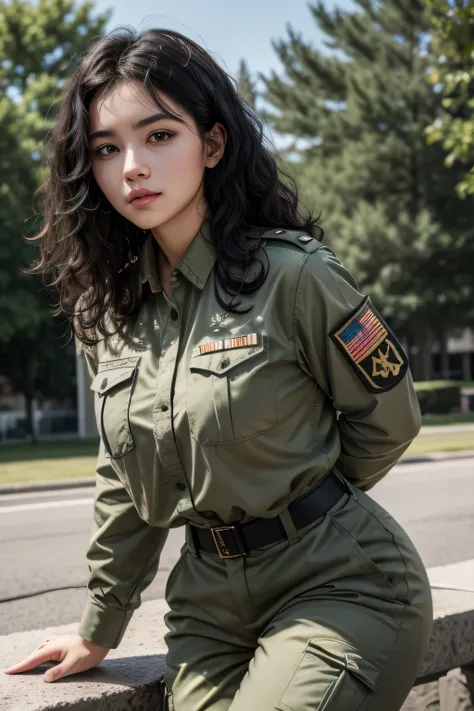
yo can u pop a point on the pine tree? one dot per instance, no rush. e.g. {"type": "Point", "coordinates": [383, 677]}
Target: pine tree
{"type": "Point", "coordinates": [389, 202]}
{"type": "Point", "coordinates": [246, 85]}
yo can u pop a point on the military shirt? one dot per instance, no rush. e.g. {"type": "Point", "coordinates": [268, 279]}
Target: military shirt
{"type": "Point", "coordinates": [209, 417]}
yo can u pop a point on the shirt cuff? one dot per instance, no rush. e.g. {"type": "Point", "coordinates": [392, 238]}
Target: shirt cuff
{"type": "Point", "coordinates": [104, 626]}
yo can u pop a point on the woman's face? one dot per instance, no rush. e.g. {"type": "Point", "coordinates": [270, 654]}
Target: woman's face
{"type": "Point", "coordinates": [135, 146]}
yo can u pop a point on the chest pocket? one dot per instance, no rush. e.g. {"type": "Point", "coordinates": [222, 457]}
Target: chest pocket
{"type": "Point", "coordinates": [113, 387]}
{"type": "Point", "coordinates": [230, 395]}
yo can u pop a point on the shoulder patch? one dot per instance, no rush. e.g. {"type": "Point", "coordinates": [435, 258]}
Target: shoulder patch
{"type": "Point", "coordinates": [372, 349]}
{"type": "Point", "coordinates": [299, 239]}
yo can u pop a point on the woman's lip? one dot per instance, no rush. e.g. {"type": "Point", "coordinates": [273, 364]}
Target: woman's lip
{"type": "Point", "coordinates": [144, 200]}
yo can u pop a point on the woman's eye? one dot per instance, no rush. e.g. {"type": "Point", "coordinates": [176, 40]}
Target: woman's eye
{"type": "Point", "coordinates": [104, 150]}
{"type": "Point", "coordinates": [161, 136]}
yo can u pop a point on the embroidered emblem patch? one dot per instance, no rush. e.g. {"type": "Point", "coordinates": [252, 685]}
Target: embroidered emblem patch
{"type": "Point", "coordinates": [372, 349]}
{"type": "Point", "coordinates": [226, 344]}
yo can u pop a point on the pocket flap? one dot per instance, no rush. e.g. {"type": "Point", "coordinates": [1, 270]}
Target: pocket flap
{"type": "Point", "coordinates": [106, 380]}
{"type": "Point", "coordinates": [345, 655]}
{"type": "Point", "coordinates": [221, 362]}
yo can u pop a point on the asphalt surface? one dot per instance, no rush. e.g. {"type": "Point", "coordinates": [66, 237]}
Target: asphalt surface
{"type": "Point", "coordinates": [44, 536]}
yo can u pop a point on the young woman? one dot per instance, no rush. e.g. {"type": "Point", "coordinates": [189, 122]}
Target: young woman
{"type": "Point", "coordinates": [244, 388]}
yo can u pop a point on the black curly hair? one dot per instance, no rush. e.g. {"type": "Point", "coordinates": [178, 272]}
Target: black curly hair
{"type": "Point", "coordinates": [85, 247]}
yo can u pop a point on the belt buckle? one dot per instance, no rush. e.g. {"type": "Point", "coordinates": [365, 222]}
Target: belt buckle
{"type": "Point", "coordinates": [219, 542]}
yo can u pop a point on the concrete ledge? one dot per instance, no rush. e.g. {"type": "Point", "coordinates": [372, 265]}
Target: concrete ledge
{"type": "Point", "coordinates": [127, 679]}
{"type": "Point", "coordinates": [452, 641]}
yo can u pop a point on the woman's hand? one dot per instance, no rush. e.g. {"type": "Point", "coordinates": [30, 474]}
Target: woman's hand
{"type": "Point", "coordinates": [73, 652]}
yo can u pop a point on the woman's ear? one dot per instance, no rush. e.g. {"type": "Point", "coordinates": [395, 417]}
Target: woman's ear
{"type": "Point", "coordinates": [215, 144]}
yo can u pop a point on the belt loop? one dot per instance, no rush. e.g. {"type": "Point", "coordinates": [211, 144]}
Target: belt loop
{"type": "Point", "coordinates": [289, 526]}
{"type": "Point", "coordinates": [190, 540]}
{"type": "Point", "coordinates": [351, 490]}
{"type": "Point", "coordinates": [239, 539]}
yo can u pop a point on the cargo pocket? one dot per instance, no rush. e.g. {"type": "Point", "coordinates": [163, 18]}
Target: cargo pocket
{"type": "Point", "coordinates": [113, 387]}
{"type": "Point", "coordinates": [331, 676]}
{"type": "Point", "coordinates": [230, 395]}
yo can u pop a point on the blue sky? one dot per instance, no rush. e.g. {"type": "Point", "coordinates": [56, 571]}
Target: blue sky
{"type": "Point", "coordinates": [229, 29]}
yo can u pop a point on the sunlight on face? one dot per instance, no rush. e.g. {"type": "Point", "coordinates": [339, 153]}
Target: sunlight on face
{"type": "Point", "coordinates": [138, 146]}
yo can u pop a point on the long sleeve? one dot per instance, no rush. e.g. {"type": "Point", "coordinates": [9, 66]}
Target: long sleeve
{"type": "Point", "coordinates": [123, 558]}
{"type": "Point", "coordinates": [123, 555]}
{"type": "Point", "coordinates": [357, 361]}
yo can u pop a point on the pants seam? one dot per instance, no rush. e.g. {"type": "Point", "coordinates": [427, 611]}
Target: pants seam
{"type": "Point", "coordinates": [394, 543]}
{"type": "Point", "coordinates": [387, 661]}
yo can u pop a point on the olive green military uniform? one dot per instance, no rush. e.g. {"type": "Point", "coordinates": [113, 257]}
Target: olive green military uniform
{"type": "Point", "coordinates": [209, 418]}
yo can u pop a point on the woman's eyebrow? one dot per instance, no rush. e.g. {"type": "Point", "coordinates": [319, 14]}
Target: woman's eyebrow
{"type": "Point", "coordinates": [139, 124]}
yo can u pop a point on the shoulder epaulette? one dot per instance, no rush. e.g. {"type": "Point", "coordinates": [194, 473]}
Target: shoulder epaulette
{"type": "Point", "coordinates": [299, 239]}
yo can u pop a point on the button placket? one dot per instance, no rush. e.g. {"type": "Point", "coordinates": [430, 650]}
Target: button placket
{"type": "Point", "coordinates": [175, 279]}
{"type": "Point", "coordinates": [163, 414]}
{"type": "Point", "coordinates": [173, 306]}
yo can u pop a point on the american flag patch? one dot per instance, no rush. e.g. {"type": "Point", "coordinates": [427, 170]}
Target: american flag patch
{"type": "Point", "coordinates": [372, 349]}
{"type": "Point", "coordinates": [362, 334]}
{"type": "Point", "coordinates": [226, 344]}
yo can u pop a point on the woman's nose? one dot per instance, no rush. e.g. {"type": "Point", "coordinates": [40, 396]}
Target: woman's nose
{"type": "Point", "coordinates": [134, 168]}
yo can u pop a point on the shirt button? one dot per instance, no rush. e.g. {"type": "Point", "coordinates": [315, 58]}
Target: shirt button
{"type": "Point", "coordinates": [164, 408]}
{"type": "Point", "coordinates": [180, 486]}
{"type": "Point", "coordinates": [174, 315]}
{"type": "Point", "coordinates": [103, 384]}
{"type": "Point", "coordinates": [224, 363]}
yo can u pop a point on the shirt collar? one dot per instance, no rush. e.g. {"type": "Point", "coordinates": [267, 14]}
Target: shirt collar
{"type": "Point", "coordinates": [196, 264]}
{"type": "Point", "coordinates": [148, 267]}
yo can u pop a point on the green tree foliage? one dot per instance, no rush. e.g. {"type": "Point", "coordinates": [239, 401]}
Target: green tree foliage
{"type": "Point", "coordinates": [388, 202]}
{"type": "Point", "coordinates": [39, 45]}
{"type": "Point", "coordinates": [452, 72]}
{"type": "Point", "coordinates": [246, 85]}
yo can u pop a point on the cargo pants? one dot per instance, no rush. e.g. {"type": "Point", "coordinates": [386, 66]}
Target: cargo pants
{"type": "Point", "coordinates": [336, 618]}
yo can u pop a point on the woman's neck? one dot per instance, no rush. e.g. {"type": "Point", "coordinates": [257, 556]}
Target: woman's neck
{"type": "Point", "coordinates": [175, 236]}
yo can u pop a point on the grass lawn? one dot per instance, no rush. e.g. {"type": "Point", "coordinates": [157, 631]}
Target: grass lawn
{"type": "Point", "coordinates": [47, 460]}
{"type": "Point", "coordinates": [76, 459]}
{"type": "Point", "coordinates": [49, 450]}
{"type": "Point", "coordinates": [454, 418]}
{"type": "Point", "coordinates": [45, 469]}
{"type": "Point", "coordinates": [451, 442]}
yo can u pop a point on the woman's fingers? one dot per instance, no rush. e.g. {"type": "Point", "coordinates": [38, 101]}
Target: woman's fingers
{"type": "Point", "coordinates": [46, 653]}
{"type": "Point", "coordinates": [73, 653]}
{"type": "Point", "coordinates": [73, 663]}
{"type": "Point", "coordinates": [66, 667]}
{"type": "Point", "coordinates": [44, 643]}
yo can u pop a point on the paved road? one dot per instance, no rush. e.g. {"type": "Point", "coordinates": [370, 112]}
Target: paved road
{"type": "Point", "coordinates": [43, 538]}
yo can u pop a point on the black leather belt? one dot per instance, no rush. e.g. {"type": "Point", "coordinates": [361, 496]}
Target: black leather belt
{"type": "Point", "coordinates": [237, 540]}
